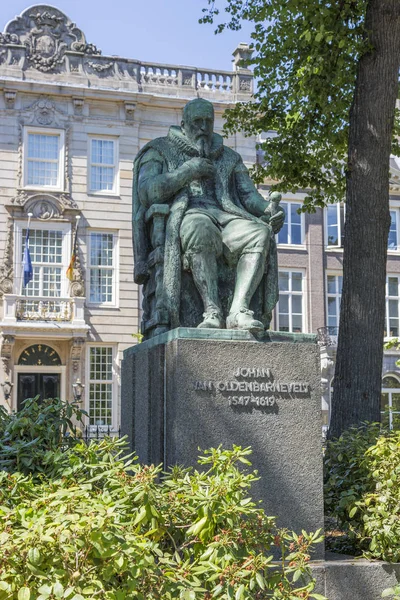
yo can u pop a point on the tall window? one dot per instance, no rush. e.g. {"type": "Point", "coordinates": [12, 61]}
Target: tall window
{"type": "Point", "coordinates": [102, 263]}
{"type": "Point", "coordinates": [392, 306]}
{"type": "Point", "coordinates": [390, 401]}
{"type": "Point", "coordinates": [290, 305]}
{"type": "Point", "coordinates": [292, 230]}
{"type": "Point", "coordinates": [334, 296]}
{"type": "Point", "coordinates": [393, 232]}
{"type": "Point", "coordinates": [46, 250]}
{"type": "Point", "coordinates": [43, 152]}
{"type": "Point", "coordinates": [100, 385]}
{"type": "Point", "coordinates": [335, 225]}
{"type": "Point", "coordinates": [103, 159]}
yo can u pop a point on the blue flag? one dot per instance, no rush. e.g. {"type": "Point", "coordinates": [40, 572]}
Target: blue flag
{"type": "Point", "coordinates": [27, 263]}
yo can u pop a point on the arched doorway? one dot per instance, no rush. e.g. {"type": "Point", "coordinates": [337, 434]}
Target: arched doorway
{"type": "Point", "coordinates": [38, 373]}
{"type": "Point", "coordinates": [390, 401]}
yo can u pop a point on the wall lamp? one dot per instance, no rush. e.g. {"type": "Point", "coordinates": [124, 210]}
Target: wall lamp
{"type": "Point", "coordinates": [78, 388]}
{"type": "Point", "coordinates": [7, 389]}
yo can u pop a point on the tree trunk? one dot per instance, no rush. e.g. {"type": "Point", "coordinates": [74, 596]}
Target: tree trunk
{"type": "Point", "coordinates": [358, 374]}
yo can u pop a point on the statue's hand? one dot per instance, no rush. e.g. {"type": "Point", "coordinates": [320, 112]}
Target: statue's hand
{"type": "Point", "coordinates": [201, 167]}
{"type": "Point", "coordinates": [276, 221]}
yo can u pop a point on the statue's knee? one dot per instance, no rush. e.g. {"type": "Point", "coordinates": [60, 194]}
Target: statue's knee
{"type": "Point", "coordinates": [199, 234]}
{"type": "Point", "coordinates": [264, 236]}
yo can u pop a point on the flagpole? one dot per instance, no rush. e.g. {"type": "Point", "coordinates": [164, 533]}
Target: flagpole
{"type": "Point", "coordinates": [30, 215]}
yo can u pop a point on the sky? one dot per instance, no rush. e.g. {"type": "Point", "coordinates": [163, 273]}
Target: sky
{"type": "Point", "coordinates": [163, 31]}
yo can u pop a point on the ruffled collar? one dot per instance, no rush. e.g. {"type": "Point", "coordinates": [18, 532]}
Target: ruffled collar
{"type": "Point", "coordinates": [178, 137]}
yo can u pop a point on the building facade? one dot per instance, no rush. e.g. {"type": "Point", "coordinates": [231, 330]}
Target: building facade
{"type": "Point", "coordinates": [71, 123]}
{"type": "Point", "coordinates": [310, 259]}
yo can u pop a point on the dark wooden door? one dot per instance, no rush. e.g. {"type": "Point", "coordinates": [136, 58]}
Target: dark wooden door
{"type": "Point", "coordinates": [44, 385]}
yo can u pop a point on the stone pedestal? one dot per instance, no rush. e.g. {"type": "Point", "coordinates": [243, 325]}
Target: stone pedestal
{"type": "Point", "coordinates": [181, 392]}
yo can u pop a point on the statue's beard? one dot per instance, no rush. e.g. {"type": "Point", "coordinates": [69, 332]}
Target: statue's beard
{"type": "Point", "coordinates": [204, 146]}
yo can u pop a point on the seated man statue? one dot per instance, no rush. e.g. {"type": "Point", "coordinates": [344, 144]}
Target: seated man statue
{"type": "Point", "coordinates": [215, 213]}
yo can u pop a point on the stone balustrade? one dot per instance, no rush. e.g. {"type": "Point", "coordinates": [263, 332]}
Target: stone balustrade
{"type": "Point", "coordinates": [44, 309]}
{"type": "Point", "coordinates": [85, 65]}
{"type": "Point", "coordinates": [19, 309]}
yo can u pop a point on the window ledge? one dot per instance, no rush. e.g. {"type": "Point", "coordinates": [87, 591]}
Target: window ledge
{"type": "Point", "coordinates": [291, 247]}
{"type": "Point", "coordinates": [43, 188]}
{"type": "Point", "coordinates": [106, 194]}
{"type": "Point", "coordinates": [333, 249]}
{"type": "Point", "coordinates": [102, 306]}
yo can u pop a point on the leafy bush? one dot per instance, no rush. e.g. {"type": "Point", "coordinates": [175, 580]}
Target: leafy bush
{"type": "Point", "coordinates": [31, 440]}
{"type": "Point", "coordinates": [105, 527]}
{"type": "Point", "coordinates": [393, 593]}
{"type": "Point", "coordinates": [362, 489]}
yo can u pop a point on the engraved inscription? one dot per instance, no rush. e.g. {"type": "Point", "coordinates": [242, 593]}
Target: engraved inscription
{"type": "Point", "coordinates": [254, 387]}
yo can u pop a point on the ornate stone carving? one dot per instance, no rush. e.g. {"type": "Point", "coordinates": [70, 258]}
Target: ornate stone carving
{"type": "Point", "coordinates": [67, 162]}
{"type": "Point", "coordinates": [78, 105]}
{"type": "Point", "coordinates": [9, 38]}
{"type": "Point", "coordinates": [245, 84]}
{"type": "Point", "coordinates": [45, 210]}
{"type": "Point", "coordinates": [44, 206]}
{"type": "Point", "coordinates": [99, 67]}
{"type": "Point", "coordinates": [7, 348]}
{"type": "Point", "coordinates": [130, 110]}
{"type": "Point", "coordinates": [76, 352]}
{"type": "Point", "coordinates": [9, 97]}
{"type": "Point", "coordinates": [6, 267]}
{"type": "Point", "coordinates": [77, 285]}
{"type": "Point", "coordinates": [43, 112]}
{"type": "Point", "coordinates": [47, 35]}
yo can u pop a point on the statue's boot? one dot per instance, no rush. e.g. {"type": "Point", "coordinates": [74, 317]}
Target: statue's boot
{"type": "Point", "coordinates": [205, 276]}
{"type": "Point", "coordinates": [250, 270]}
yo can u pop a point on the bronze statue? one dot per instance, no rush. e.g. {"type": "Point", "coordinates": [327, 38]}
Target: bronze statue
{"type": "Point", "coordinates": [198, 218]}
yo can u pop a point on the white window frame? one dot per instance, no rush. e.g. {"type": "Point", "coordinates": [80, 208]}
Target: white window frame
{"type": "Point", "coordinates": [114, 387]}
{"type": "Point", "coordinates": [288, 220]}
{"type": "Point", "coordinates": [115, 280]}
{"type": "Point", "coordinates": [387, 298]}
{"type": "Point", "coordinates": [65, 228]}
{"type": "Point", "coordinates": [339, 206]}
{"type": "Point", "coordinates": [290, 293]}
{"type": "Point", "coordinates": [397, 249]}
{"type": "Point", "coordinates": [61, 158]}
{"type": "Point", "coordinates": [389, 392]}
{"type": "Point", "coordinates": [115, 189]}
{"type": "Point", "coordinates": [336, 295]}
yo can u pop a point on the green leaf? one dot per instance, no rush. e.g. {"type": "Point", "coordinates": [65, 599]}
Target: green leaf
{"type": "Point", "coordinates": [260, 580]}
{"type": "Point", "coordinates": [24, 593]}
{"type": "Point", "coordinates": [240, 592]}
{"type": "Point", "coordinates": [353, 511]}
{"type": "Point", "coordinates": [34, 556]}
{"type": "Point", "coordinates": [58, 590]}
{"type": "Point", "coordinates": [197, 527]}
{"type": "Point", "coordinates": [45, 590]}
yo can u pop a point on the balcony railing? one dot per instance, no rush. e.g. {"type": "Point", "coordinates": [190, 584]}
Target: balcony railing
{"type": "Point", "coordinates": [186, 78]}
{"type": "Point", "coordinates": [327, 336]}
{"type": "Point", "coordinates": [44, 309]}
{"type": "Point", "coordinates": [39, 309]}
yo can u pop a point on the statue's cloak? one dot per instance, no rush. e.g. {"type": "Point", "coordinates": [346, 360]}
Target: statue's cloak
{"type": "Point", "coordinates": [174, 151]}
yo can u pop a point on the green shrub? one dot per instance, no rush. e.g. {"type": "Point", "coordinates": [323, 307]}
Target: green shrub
{"type": "Point", "coordinates": [362, 489]}
{"type": "Point", "coordinates": [347, 473]}
{"type": "Point", "coordinates": [33, 439]}
{"type": "Point", "coordinates": [105, 527]}
{"type": "Point", "coordinates": [393, 593]}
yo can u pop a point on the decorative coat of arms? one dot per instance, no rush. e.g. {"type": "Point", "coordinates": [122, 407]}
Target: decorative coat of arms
{"type": "Point", "coordinates": [47, 35]}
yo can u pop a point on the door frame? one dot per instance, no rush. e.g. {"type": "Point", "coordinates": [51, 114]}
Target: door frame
{"type": "Point", "coordinates": [42, 369]}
